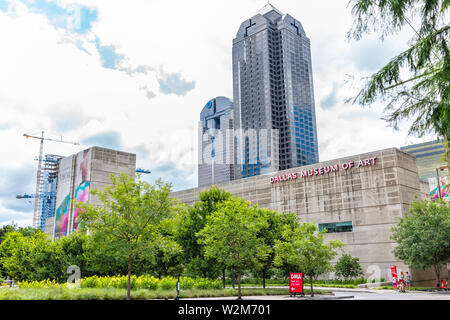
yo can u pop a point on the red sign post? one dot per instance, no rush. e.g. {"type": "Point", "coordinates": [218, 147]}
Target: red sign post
{"type": "Point", "coordinates": [394, 276]}
{"type": "Point", "coordinates": [296, 283]}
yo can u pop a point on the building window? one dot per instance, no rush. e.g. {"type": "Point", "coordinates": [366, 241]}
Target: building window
{"type": "Point", "coordinates": [346, 226]}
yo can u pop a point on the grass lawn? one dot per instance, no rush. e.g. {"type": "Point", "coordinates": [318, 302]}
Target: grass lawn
{"type": "Point", "coordinates": [60, 293]}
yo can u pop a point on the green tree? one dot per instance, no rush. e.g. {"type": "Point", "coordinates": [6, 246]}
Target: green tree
{"type": "Point", "coordinates": [127, 223]}
{"type": "Point", "coordinates": [304, 247]}
{"type": "Point", "coordinates": [416, 82]}
{"type": "Point", "coordinates": [168, 259]}
{"type": "Point", "coordinates": [4, 230]}
{"type": "Point", "coordinates": [189, 223]}
{"type": "Point", "coordinates": [230, 236]}
{"type": "Point", "coordinates": [423, 236]}
{"type": "Point", "coordinates": [73, 251]}
{"type": "Point", "coordinates": [26, 231]}
{"type": "Point", "coordinates": [33, 257]}
{"type": "Point", "coordinates": [275, 223]}
{"type": "Point", "coordinates": [348, 267]}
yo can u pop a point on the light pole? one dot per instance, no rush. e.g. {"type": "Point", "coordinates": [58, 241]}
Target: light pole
{"type": "Point", "coordinates": [438, 180]}
{"type": "Point", "coordinates": [438, 183]}
{"type": "Point", "coordinates": [212, 156]}
{"type": "Point", "coordinates": [178, 288]}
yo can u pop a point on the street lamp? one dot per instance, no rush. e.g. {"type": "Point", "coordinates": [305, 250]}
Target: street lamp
{"type": "Point", "coordinates": [438, 182]}
{"type": "Point", "coordinates": [178, 287]}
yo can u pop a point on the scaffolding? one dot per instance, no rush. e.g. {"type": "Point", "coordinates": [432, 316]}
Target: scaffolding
{"type": "Point", "coordinates": [47, 188]}
{"type": "Point", "coordinates": [46, 196]}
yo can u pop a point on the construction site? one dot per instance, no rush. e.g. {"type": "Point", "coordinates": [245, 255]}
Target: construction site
{"type": "Point", "coordinates": [63, 180]}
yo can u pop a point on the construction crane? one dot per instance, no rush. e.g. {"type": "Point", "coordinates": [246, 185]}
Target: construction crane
{"type": "Point", "coordinates": [139, 170]}
{"type": "Point", "coordinates": [34, 196]}
{"type": "Point", "coordinates": [38, 176]}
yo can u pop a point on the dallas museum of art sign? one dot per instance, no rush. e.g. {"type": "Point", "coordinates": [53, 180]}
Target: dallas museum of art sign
{"type": "Point", "coordinates": [323, 170]}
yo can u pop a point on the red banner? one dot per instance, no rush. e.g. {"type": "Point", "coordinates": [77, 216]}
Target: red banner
{"type": "Point", "coordinates": [296, 283]}
{"type": "Point", "coordinates": [394, 276]}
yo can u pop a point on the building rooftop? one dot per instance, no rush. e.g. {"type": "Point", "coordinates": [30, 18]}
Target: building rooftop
{"type": "Point", "coordinates": [267, 8]}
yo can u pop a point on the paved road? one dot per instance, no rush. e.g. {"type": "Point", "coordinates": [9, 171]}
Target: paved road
{"type": "Point", "coordinates": [392, 295]}
{"type": "Point", "coordinates": [354, 294]}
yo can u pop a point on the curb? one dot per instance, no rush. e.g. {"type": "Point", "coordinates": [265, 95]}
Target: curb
{"type": "Point", "coordinates": [324, 298]}
{"type": "Point", "coordinates": [322, 288]}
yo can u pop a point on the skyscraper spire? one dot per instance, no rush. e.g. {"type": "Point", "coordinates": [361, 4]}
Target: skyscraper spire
{"type": "Point", "coordinates": [267, 8]}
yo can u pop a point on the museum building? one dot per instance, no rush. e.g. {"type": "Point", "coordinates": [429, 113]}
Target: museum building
{"type": "Point", "coordinates": [357, 199]}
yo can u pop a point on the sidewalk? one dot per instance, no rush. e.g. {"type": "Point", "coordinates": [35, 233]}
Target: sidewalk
{"type": "Point", "coordinates": [320, 288]}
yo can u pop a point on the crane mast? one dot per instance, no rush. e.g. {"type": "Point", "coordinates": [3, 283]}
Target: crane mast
{"type": "Point", "coordinates": [37, 195]}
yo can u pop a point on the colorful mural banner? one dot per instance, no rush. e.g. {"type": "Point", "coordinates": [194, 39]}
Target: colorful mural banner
{"type": "Point", "coordinates": [82, 180]}
{"type": "Point", "coordinates": [63, 197]}
{"type": "Point", "coordinates": [62, 218]}
{"type": "Point", "coordinates": [445, 188]}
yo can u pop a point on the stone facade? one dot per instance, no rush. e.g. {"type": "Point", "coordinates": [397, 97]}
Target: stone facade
{"type": "Point", "coordinates": [373, 197]}
{"type": "Point", "coordinates": [79, 174]}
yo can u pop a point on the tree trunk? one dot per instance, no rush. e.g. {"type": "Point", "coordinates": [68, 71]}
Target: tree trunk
{"type": "Point", "coordinates": [239, 284]}
{"type": "Point", "coordinates": [130, 259]}
{"type": "Point", "coordinates": [232, 278]}
{"type": "Point", "coordinates": [264, 278]}
{"type": "Point", "coordinates": [310, 285]}
{"type": "Point", "coordinates": [438, 275]}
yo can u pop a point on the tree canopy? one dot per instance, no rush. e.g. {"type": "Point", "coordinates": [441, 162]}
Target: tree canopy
{"type": "Point", "coordinates": [416, 82]}
{"type": "Point", "coordinates": [423, 236]}
{"type": "Point", "coordinates": [304, 248]}
{"type": "Point", "coordinates": [230, 236]}
{"type": "Point", "coordinates": [127, 224]}
{"type": "Point", "coordinates": [348, 267]}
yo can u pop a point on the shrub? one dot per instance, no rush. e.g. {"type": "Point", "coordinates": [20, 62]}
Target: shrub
{"type": "Point", "coordinates": [40, 284]}
{"type": "Point", "coordinates": [137, 283]}
{"type": "Point", "coordinates": [167, 283]}
{"type": "Point", "coordinates": [187, 283]}
{"type": "Point", "coordinates": [202, 283]}
{"type": "Point", "coordinates": [147, 282]}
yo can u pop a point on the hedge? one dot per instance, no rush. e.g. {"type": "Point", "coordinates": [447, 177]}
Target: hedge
{"type": "Point", "coordinates": [141, 282]}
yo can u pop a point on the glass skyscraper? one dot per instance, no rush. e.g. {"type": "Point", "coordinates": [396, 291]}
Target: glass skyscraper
{"type": "Point", "coordinates": [216, 148]}
{"type": "Point", "coordinates": [273, 94]}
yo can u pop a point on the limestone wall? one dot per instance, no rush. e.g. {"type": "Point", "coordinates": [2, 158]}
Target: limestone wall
{"type": "Point", "coordinates": [372, 197]}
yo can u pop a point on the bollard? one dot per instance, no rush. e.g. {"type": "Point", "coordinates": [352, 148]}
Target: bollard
{"type": "Point", "coordinates": [178, 288]}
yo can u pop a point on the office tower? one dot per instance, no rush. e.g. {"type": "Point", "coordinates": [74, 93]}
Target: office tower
{"type": "Point", "coordinates": [429, 157]}
{"type": "Point", "coordinates": [273, 90]}
{"type": "Point", "coordinates": [431, 167]}
{"type": "Point", "coordinates": [216, 149]}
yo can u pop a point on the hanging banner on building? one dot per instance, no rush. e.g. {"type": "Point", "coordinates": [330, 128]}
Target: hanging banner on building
{"type": "Point", "coordinates": [323, 170]}
{"type": "Point", "coordinates": [63, 196]}
{"type": "Point", "coordinates": [296, 283]}
{"type": "Point", "coordinates": [82, 183]}
{"type": "Point", "coordinates": [445, 188]}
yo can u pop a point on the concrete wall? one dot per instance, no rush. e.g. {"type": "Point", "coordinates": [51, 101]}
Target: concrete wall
{"type": "Point", "coordinates": [106, 162]}
{"type": "Point", "coordinates": [101, 163]}
{"type": "Point", "coordinates": [373, 197]}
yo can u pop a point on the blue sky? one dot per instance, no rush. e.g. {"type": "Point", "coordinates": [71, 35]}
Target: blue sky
{"type": "Point", "coordinates": [134, 76]}
{"type": "Point", "coordinates": [74, 18]}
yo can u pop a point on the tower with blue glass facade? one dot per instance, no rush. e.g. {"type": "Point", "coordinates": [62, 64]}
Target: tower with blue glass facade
{"type": "Point", "coordinates": [273, 91]}
{"type": "Point", "coordinates": [216, 148]}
